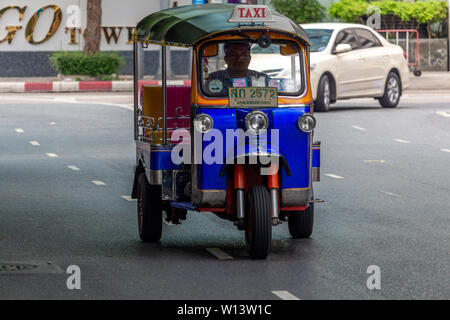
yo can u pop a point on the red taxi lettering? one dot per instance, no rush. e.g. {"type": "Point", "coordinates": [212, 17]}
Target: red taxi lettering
{"type": "Point", "coordinates": [247, 13]}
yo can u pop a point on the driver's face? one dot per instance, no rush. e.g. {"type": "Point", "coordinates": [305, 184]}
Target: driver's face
{"type": "Point", "coordinates": [238, 58]}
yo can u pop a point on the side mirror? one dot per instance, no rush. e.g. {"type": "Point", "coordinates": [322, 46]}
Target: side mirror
{"type": "Point", "coordinates": [343, 47]}
{"type": "Point", "coordinates": [210, 50]}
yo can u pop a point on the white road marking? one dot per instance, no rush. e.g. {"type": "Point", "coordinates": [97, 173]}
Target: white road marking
{"type": "Point", "coordinates": [445, 114]}
{"type": "Point", "coordinates": [74, 168]}
{"type": "Point", "coordinates": [34, 143]}
{"type": "Point", "coordinates": [390, 193]}
{"type": "Point", "coordinates": [98, 182]}
{"type": "Point", "coordinates": [401, 141]}
{"type": "Point", "coordinates": [19, 130]}
{"type": "Point", "coordinates": [334, 176]}
{"type": "Point", "coordinates": [285, 295]}
{"type": "Point", "coordinates": [219, 254]}
{"type": "Point", "coordinates": [52, 155]}
{"type": "Point", "coordinates": [379, 161]}
{"type": "Point", "coordinates": [359, 128]}
{"type": "Point", "coordinates": [445, 150]}
{"type": "Point", "coordinates": [52, 123]}
{"type": "Point", "coordinates": [128, 198]}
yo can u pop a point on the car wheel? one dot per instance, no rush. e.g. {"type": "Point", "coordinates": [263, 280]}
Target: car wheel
{"type": "Point", "coordinates": [258, 235]}
{"type": "Point", "coordinates": [301, 223]}
{"type": "Point", "coordinates": [322, 103]}
{"type": "Point", "coordinates": [149, 209]}
{"type": "Point", "coordinates": [391, 96]}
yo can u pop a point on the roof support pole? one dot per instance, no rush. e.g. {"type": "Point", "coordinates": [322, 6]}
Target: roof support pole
{"type": "Point", "coordinates": [135, 87]}
{"type": "Point", "coordinates": [164, 93]}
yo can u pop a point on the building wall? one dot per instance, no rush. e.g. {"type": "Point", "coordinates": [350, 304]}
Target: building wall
{"type": "Point", "coordinates": [25, 46]}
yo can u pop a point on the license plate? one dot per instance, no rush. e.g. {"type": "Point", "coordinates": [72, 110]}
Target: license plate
{"type": "Point", "coordinates": [251, 97]}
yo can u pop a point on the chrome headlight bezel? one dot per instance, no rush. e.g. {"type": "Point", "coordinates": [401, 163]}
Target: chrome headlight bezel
{"type": "Point", "coordinates": [203, 123]}
{"type": "Point", "coordinates": [251, 116]}
{"type": "Point", "coordinates": [306, 122]}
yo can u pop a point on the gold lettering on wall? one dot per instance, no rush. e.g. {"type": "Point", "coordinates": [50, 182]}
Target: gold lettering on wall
{"type": "Point", "coordinates": [57, 18]}
{"type": "Point", "coordinates": [131, 31]}
{"type": "Point", "coordinates": [112, 33]}
{"type": "Point", "coordinates": [12, 29]}
{"type": "Point", "coordinates": [73, 34]}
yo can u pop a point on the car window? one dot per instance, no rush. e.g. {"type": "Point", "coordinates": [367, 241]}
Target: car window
{"type": "Point", "coordinates": [367, 39]}
{"type": "Point", "coordinates": [319, 38]}
{"type": "Point", "coordinates": [347, 36]}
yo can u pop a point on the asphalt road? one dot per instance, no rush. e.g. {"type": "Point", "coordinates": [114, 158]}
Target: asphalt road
{"type": "Point", "coordinates": [384, 178]}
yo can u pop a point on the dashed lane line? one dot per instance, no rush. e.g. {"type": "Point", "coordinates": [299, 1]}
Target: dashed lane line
{"type": "Point", "coordinates": [74, 168]}
{"type": "Point", "coordinates": [445, 150]}
{"type": "Point", "coordinates": [219, 254]}
{"type": "Point", "coordinates": [19, 130]}
{"type": "Point", "coordinates": [285, 295]}
{"type": "Point", "coordinates": [445, 114]}
{"type": "Point", "coordinates": [35, 143]}
{"type": "Point", "coordinates": [335, 176]}
{"type": "Point", "coordinates": [98, 182]}
{"type": "Point", "coordinates": [359, 128]}
{"type": "Point", "coordinates": [52, 155]}
{"type": "Point", "coordinates": [128, 198]}
{"type": "Point", "coordinates": [390, 193]}
{"type": "Point", "coordinates": [401, 140]}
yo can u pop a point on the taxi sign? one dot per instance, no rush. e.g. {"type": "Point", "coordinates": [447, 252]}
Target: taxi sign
{"type": "Point", "coordinates": [249, 13]}
{"type": "Point", "coordinates": [253, 97]}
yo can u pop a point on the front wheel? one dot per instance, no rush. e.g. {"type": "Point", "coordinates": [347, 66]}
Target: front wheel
{"type": "Point", "coordinates": [301, 223]}
{"type": "Point", "coordinates": [391, 96]}
{"type": "Point", "coordinates": [258, 235]}
{"type": "Point", "coordinates": [149, 209]}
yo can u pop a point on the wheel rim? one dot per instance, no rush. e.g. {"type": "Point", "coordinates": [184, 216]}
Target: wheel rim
{"type": "Point", "coordinates": [326, 93]}
{"type": "Point", "coordinates": [393, 90]}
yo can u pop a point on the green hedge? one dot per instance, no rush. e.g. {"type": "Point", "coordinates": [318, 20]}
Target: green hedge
{"type": "Point", "coordinates": [75, 63]}
{"type": "Point", "coordinates": [421, 11]}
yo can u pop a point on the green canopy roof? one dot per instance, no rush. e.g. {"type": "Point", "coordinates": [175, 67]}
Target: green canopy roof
{"type": "Point", "coordinates": [184, 26]}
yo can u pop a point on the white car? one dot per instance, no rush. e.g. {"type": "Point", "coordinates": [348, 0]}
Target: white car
{"type": "Point", "coordinates": [354, 61]}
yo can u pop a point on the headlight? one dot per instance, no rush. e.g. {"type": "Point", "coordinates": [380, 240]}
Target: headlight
{"type": "Point", "coordinates": [306, 122]}
{"type": "Point", "coordinates": [256, 122]}
{"type": "Point", "coordinates": [203, 123]}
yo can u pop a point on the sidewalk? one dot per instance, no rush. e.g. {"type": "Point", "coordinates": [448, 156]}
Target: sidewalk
{"type": "Point", "coordinates": [427, 81]}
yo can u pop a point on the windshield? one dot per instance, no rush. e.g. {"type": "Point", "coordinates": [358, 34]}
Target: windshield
{"type": "Point", "coordinates": [241, 64]}
{"type": "Point", "coordinates": [319, 38]}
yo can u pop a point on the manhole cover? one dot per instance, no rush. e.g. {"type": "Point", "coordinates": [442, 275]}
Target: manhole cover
{"type": "Point", "coordinates": [26, 267]}
{"type": "Point", "coordinates": [16, 267]}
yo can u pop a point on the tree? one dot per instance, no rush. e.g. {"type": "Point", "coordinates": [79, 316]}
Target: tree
{"type": "Point", "coordinates": [93, 27]}
{"type": "Point", "coordinates": [300, 11]}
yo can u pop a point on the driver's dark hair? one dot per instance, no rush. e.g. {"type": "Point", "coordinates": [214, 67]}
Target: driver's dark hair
{"type": "Point", "coordinates": [231, 43]}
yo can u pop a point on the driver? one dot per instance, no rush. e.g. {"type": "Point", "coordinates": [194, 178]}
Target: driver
{"type": "Point", "coordinates": [237, 74]}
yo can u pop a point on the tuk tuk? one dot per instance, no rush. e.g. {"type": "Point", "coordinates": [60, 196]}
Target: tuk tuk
{"type": "Point", "coordinates": [236, 140]}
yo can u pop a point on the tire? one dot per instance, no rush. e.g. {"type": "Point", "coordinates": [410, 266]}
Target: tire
{"type": "Point", "coordinates": [149, 209]}
{"type": "Point", "coordinates": [258, 234]}
{"type": "Point", "coordinates": [392, 92]}
{"type": "Point", "coordinates": [301, 223]}
{"type": "Point", "coordinates": [322, 103]}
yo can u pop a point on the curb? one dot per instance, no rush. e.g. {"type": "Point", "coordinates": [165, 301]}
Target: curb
{"type": "Point", "coordinates": [80, 86]}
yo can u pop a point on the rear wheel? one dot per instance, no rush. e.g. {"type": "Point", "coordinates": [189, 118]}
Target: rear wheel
{"type": "Point", "coordinates": [391, 96]}
{"type": "Point", "coordinates": [301, 223]}
{"type": "Point", "coordinates": [258, 235]}
{"type": "Point", "coordinates": [322, 103]}
{"type": "Point", "coordinates": [149, 208]}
